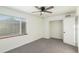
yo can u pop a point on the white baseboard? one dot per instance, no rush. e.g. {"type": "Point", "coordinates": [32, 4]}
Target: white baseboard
{"type": "Point", "coordinates": [55, 38]}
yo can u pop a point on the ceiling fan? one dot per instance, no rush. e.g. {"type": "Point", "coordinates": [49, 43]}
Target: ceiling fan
{"type": "Point", "coordinates": [43, 9]}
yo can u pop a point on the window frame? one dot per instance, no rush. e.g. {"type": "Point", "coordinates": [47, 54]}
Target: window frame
{"type": "Point", "coordinates": [20, 28]}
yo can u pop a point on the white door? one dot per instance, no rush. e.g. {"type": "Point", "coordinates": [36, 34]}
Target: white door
{"type": "Point", "coordinates": [69, 30]}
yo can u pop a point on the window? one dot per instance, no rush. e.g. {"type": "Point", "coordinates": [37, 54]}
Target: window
{"type": "Point", "coordinates": [12, 26]}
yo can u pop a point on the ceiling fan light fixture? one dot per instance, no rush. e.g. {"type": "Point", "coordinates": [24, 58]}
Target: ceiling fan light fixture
{"type": "Point", "coordinates": [43, 9]}
{"type": "Point", "coordinates": [42, 12]}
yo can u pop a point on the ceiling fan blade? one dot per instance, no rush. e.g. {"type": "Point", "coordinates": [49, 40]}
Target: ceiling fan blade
{"type": "Point", "coordinates": [36, 11]}
{"type": "Point", "coordinates": [48, 11]}
{"type": "Point", "coordinates": [37, 7]}
{"type": "Point", "coordinates": [50, 7]}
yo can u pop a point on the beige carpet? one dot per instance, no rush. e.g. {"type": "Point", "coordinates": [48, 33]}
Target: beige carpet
{"type": "Point", "coordinates": [45, 46]}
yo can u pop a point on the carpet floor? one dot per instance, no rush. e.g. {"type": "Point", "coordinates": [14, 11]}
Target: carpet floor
{"type": "Point", "coordinates": [45, 46]}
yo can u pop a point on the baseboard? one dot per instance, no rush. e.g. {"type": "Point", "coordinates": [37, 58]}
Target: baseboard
{"type": "Point", "coordinates": [55, 38]}
{"type": "Point", "coordinates": [70, 44]}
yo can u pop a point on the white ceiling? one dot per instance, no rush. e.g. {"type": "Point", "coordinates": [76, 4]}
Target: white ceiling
{"type": "Point", "coordinates": [56, 10]}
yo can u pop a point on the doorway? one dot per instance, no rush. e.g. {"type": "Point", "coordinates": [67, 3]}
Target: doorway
{"type": "Point", "coordinates": [56, 29]}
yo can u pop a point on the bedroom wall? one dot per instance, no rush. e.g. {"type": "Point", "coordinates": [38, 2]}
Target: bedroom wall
{"type": "Point", "coordinates": [34, 28]}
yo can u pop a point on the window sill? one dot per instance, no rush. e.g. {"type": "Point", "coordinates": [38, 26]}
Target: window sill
{"type": "Point", "coordinates": [11, 36]}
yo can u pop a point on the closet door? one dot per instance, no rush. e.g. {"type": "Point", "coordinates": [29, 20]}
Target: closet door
{"type": "Point", "coordinates": [69, 30]}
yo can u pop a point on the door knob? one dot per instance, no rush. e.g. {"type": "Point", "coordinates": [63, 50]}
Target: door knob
{"type": "Point", "coordinates": [64, 32]}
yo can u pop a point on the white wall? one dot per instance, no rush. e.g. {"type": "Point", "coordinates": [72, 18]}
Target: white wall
{"type": "Point", "coordinates": [56, 29]}
{"type": "Point", "coordinates": [34, 30]}
{"type": "Point", "coordinates": [46, 29]}
{"type": "Point", "coordinates": [77, 14]}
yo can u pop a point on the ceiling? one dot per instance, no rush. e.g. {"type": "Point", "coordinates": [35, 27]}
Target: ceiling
{"type": "Point", "coordinates": [56, 10]}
